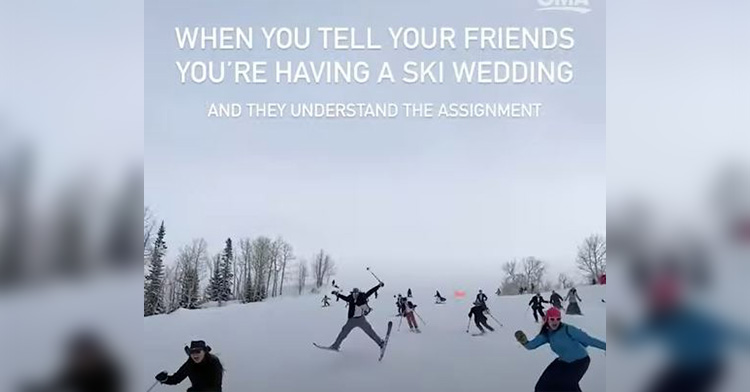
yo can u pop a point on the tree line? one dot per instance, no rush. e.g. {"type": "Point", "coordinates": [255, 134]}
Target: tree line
{"type": "Point", "coordinates": [529, 274]}
{"type": "Point", "coordinates": [251, 270]}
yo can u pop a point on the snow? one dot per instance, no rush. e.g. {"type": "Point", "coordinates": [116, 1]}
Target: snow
{"type": "Point", "coordinates": [268, 346]}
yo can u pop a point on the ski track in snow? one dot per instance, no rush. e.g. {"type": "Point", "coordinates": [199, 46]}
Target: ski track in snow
{"type": "Point", "coordinates": [267, 346]}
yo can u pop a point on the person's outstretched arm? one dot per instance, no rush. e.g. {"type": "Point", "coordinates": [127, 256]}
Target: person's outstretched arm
{"type": "Point", "coordinates": [374, 289]}
{"type": "Point", "coordinates": [585, 339]}
{"type": "Point", "coordinates": [180, 375]}
{"type": "Point", "coordinates": [536, 342]}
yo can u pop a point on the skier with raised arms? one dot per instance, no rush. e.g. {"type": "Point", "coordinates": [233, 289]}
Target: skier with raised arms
{"type": "Point", "coordinates": [357, 310]}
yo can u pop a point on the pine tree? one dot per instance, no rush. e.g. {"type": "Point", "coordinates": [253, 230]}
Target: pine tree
{"type": "Point", "coordinates": [153, 288]}
{"type": "Point", "coordinates": [214, 284]}
{"type": "Point", "coordinates": [227, 277]}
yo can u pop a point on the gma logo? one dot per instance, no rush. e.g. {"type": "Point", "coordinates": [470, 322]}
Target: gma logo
{"type": "Point", "coordinates": [579, 6]}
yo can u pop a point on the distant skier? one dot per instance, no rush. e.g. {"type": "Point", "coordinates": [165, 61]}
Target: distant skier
{"type": "Point", "coordinates": [408, 309]}
{"type": "Point", "coordinates": [481, 299]}
{"type": "Point", "coordinates": [533, 288]}
{"type": "Point", "coordinates": [556, 300]}
{"type": "Point", "coordinates": [204, 369]}
{"type": "Point", "coordinates": [479, 317]}
{"type": "Point", "coordinates": [569, 343]}
{"type": "Point", "coordinates": [498, 292]}
{"type": "Point", "coordinates": [326, 302]}
{"type": "Point", "coordinates": [358, 309]}
{"type": "Point", "coordinates": [603, 279]}
{"type": "Point", "coordinates": [573, 299]}
{"type": "Point", "coordinates": [398, 305]}
{"type": "Point", "coordinates": [408, 293]}
{"type": "Point", "coordinates": [439, 298]}
{"type": "Point", "coordinates": [537, 307]}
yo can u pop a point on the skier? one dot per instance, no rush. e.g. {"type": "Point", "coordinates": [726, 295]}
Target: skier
{"type": "Point", "coordinates": [569, 343]}
{"type": "Point", "coordinates": [204, 369]}
{"type": "Point", "coordinates": [326, 302]}
{"type": "Point", "coordinates": [556, 299]}
{"type": "Point", "coordinates": [481, 299]}
{"type": "Point", "coordinates": [479, 318]}
{"type": "Point", "coordinates": [358, 309]}
{"type": "Point", "coordinates": [398, 305]}
{"type": "Point", "coordinates": [603, 279]}
{"type": "Point", "coordinates": [438, 298]}
{"type": "Point", "coordinates": [408, 293]}
{"type": "Point", "coordinates": [498, 292]}
{"type": "Point", "coordinates": [408, 309]}
{"type": "Point", "coordinates": [536, 306]}
{"type": "Point", "coordinates": [573, 299]}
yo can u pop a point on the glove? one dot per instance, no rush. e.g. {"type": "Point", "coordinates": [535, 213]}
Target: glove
{"type": "Point", "coordinates": [333, 293]}
{"type": "Point", "coordinates": [382, 284]}
{"type": "Point", "coordinates": [521, 337]}
{"type": "Point", "coordinates": [161, 377]}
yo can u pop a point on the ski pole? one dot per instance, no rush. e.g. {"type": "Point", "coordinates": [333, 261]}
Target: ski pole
{"type": "Point", "coordinates": [420, 317]}
{"type": "Point", "coordinates": [496, 320]}
{"type": "Point", "coordinates": [400, 319]}
{"type": "Point", "coordinates": [468, 325]}
{"type": "Point", "coordinates": [379, 281]}
{"type": "Point", "coordinates": [152, 386]}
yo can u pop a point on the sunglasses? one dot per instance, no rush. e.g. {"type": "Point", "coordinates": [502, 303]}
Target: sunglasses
{"type": "Point", "coordinates": [196, 350]}
{"type": "Point", "coordinates": [553, 319]}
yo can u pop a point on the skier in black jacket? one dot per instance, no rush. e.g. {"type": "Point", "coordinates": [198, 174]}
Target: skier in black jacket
{"type": "Point", "coordinates": [358, 309]}
{"type": "Point", "coordinates": [481, 299]}
{"type": "Point", "coordinates": [479, 318]}
{"type": "Point", "coordinates": [204, 370]}
{"type": "Point", "coordinates": [537, 307]}
{"type": "Point", "coordinates": [556, 299]}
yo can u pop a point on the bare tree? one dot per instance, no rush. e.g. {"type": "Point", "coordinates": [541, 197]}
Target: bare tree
{"type": "Point", "coordinates": [564, 281]}
{"type": "Point", "coordinates": [171, 289]}
{"type": "Point", "coordinates": [323, 266]}
{"type": "Point", "coordinates": [301, 276]}
{"type": "Point", "coordinates": [287, 255]}
{"type": "Point", "coordinates": [149, 224]}
{"type": "Point", "coordinates": [512, 281]}
{"type": "Point", "coordinates": [592, 256]}
{"type": "Point", "coordinates": [533, 271]}
{"type": "Point", "coordinates": [245, 263]}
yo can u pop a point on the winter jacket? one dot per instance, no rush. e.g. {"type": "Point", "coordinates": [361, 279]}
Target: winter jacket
{"type": "Point", "coordinates": [555, 298]}
{"type": "Point", "coordinates": [205, 376]}
{"type": "Point", "coordinates": [481, 297]}
{"type": "Point", "coordinates": [536, 301]}
{"type": "Point", "coordinates": [478, 312]}
{"type": "Point", "coordinates": [361, 300]}
{"type": "Point", "coordinates": [567, 341]}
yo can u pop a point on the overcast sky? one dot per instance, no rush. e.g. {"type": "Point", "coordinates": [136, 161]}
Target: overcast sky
{"type": "Point", "coordinates": [407, 196]}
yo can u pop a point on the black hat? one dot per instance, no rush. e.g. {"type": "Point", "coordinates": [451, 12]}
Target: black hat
{"type": "Point", "coordinates": [196, 345]}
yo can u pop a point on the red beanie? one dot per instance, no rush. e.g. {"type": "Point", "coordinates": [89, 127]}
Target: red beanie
{"type": "Point", "coordinates": [553, 312]}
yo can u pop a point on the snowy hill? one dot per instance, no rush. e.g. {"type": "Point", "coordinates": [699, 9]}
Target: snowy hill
{"type": "Point", "coordinates": [268, 346]}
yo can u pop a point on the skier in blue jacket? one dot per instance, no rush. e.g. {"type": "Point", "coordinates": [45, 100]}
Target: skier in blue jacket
{"type": "Point", "coordinates": [569, 343]}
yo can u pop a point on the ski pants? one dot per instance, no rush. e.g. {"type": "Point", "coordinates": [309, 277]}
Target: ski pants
{"type": "Point", "coordinates": [411, 320]}
{"type": "Point", "coordinates": [538, 311]}
{"type": "Point", "coordinates": [562, 376]}
{"type": "Point", "coordinates": [356, 322]}
{"type": "Point", "coordinates": [479, 323]}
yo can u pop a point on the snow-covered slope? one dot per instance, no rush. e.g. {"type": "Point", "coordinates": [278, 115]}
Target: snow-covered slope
{"type": "Point", "coordinates": [268, 346]}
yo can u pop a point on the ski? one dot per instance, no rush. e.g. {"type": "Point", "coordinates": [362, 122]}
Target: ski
{"type": "Point", "coordinates": [385, 341]}
{"type": "Point", "coordinates": [478, 334]}
{"type": "Point", "coordinates": [324, 347]}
